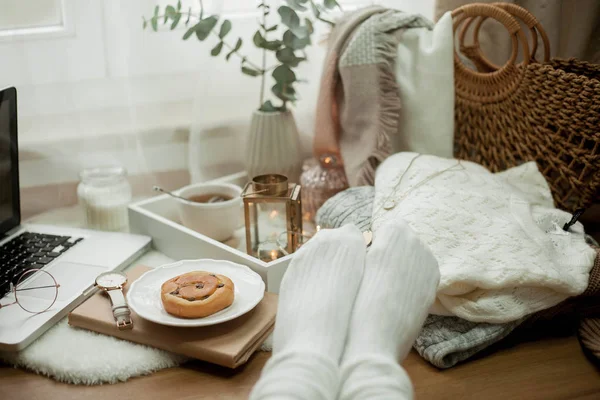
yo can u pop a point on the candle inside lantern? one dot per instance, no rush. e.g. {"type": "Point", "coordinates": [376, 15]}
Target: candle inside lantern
{"type": "Point", "coordinates": [269, 255]}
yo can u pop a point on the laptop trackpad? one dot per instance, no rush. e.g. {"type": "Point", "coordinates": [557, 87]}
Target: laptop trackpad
{"type": "Point", "coordinates": [73, 278]}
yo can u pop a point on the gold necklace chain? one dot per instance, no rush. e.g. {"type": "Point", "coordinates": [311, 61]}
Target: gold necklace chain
{"type": "Point", "coordinates": [390, 203]}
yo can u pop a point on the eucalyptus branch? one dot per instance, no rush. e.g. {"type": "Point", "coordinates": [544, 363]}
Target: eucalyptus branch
{"type": "Point", "coordinates": [240, 56]}
{"type": "Point", "coordinates": [215, 33]}
{"type": "Point", "coordinates": [316, 9]}
{"type": "Point", "coordinates": [264, 54]}
{"type": "Point", "coordinates": [292, 36]}
{"type": "Point", "coordinates": [328, 22]}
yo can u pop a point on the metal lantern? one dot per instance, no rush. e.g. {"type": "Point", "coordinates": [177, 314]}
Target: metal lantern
{"type": "Point", "coordinates": [273, 216]}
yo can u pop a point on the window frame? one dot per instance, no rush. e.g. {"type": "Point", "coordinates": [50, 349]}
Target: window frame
{"type": "Point", "coordinates": [66, 29]}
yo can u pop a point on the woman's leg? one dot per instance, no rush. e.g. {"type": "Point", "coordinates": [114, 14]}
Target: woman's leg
{"type": "Point", "coordinates": [315, 302]}
{"type": "Point", "coordinates": [398, 287]}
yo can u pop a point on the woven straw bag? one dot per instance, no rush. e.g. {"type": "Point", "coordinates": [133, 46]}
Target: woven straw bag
{"type": "Point", "coordinates": [473, 51]}
{"type": "Point", "coordinates": [545, 112]}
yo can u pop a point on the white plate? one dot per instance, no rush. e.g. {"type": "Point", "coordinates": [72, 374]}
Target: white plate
{"type": "Point", "coordinates": [144, 294]}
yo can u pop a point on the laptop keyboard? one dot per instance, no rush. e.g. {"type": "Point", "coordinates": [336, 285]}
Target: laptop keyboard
{"type": "Point", "coordinates": [29, 251]}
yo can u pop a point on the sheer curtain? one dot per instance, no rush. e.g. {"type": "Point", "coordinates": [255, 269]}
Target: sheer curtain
{"type": "Point", "coordinates": [573, 28]}
{"type": "Point", "coordinates": [96, 89]}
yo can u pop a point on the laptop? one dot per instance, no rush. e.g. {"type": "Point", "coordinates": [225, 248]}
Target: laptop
{"type": "Point", "coordinates": [74, 257]}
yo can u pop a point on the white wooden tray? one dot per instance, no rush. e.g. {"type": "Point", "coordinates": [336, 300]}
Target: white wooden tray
{"type": "Point", "coordinates": [157, 217]}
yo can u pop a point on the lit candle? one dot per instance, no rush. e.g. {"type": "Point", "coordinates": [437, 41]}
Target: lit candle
{"type": "Point", "coordinates": [318, 228]}
{"type": "Point", "coordinates": [269, 255]}
{"type": "Point", "coordinates": [273, 214]}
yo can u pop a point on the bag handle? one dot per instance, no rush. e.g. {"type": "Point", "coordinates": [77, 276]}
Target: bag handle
{"type": "Point", "coordinates": [474, 51]}
{"type": "Point", "coordinates": [491, 86]}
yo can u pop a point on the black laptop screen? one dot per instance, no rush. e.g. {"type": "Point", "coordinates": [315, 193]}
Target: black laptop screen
{"type": "Point", "coordinates": [9, 175]}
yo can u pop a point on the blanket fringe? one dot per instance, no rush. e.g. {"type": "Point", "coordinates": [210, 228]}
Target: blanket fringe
{"type": "Point", "coordinates": [389, 116]}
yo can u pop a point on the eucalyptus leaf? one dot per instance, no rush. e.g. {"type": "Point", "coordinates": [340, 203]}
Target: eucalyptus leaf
{"type": "Point", "coordinates": [250, 71]}
{"type": "Point", "coordinates": [178, 5]}
{"type": "Point", "coordinates": [296, 5]}
{"type": "Point", "coordinates": [269, 107]}
{"type": "Point", "coordinates": [238, 44]}
{"type": "Point", "coordinates": [284, 74]}
{"type": "Point", "coordinates": [154, 23]}
{"type": "Point", "coordinates": [145, 24]}
{"type": "Point", "coordinates": [289, 17]}
{"type": "Point", "coordinates": [175, 21]}
{"type": "Point", "coordinates": [156, 10]}
{"type": "Point", "coordinates": [290, 40]}
{"type": "Point", "coordinates": [271, 29]}
{"type": "Point", "coordinates": [309, 26]}
{"type": "Point", "coordinates": [277, 90]}
{"type": "Point", "coordinates": [187, 21]}
{"type": "Point", "coordinates": [331, 4]}
{"type": "Point", "coordinates": [272, 45]}
{"type": "Point", "coordinates": [301, 32]}
{"type": "Point", "coordinates": [287, 56]}
{"type": "Point", "coordinates": [315, 9]}
{"type": "Point", "coordinates": [225, 28]}
{"type": "Point", "coordinates": [217, 49]}
{"type": "Point", "coordinates": [189, 32]}
{"type": "Point", "coordinates": [258, 39]}
{"type": "Point", "coordinates": [170, 12]}
{"type": "Point", "coordinates": [204, 27]}
{"type": "Point", "coordinates": [266, 8]}
{"type": "Point", "coordinates": [165, 19]}
{"type": "Point", "coordinates": [284, 91]}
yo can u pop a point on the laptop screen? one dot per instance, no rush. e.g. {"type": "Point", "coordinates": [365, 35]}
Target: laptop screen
{"type": "Point", "coordinates": [9, 174]}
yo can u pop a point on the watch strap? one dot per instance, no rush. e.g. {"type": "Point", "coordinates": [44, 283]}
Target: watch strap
{"type": "Point", "coordinates": [121, 311]}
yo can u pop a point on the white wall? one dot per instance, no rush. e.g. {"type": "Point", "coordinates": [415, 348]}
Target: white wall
{"type": "Point", "coordinates": [105, 77]}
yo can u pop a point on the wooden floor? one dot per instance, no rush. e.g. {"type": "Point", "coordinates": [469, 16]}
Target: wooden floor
{"type": "Point", "coordinates": [552, 368]}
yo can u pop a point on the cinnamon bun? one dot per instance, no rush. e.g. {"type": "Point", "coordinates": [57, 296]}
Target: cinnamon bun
{"type": "Point", "coordinates": [197, 294]}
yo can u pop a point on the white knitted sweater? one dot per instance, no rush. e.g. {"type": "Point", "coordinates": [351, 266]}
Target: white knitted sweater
{"type": "Point", "coordinates": [497, 237]}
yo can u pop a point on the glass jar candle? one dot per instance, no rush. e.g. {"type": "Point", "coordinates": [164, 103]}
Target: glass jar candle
{"type": "Point", "coordinates": [104, 194]}
{"type": "Point", "coordinates": [320, 181]}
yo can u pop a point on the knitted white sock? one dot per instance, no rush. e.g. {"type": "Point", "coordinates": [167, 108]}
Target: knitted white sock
{"type": "Point", "coordinates": [398, 287]}
{"type": "Point", "coordinates": [315, 302]}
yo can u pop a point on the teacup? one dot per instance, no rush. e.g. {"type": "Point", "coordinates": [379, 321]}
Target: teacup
{"type": "Point", "coordinates": [216, 220]}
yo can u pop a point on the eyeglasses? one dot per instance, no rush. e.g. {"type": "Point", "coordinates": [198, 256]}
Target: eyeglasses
{"type": "Point", "coordinates": [35, 292]}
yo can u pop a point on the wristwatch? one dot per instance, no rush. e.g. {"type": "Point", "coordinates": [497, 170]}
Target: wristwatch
{"type": "Point", "coordinates": [112, 283]}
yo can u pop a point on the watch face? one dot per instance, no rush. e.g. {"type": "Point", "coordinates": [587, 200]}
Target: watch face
{"type": "Point", "coordinates": [111, 279]}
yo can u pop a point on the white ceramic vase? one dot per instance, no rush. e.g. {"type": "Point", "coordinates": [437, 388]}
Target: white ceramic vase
{"type": "Point", "coordinates": [274, 145]}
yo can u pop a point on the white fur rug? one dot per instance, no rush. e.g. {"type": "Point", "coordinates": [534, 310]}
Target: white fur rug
{"type": "Point", "coordinates": [78, 356]}
{"type": "Point", "coordinates": [83, 357]}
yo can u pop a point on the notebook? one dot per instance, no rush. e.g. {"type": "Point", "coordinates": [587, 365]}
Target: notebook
{"type": "Point", "coordinates": [229, 344]}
